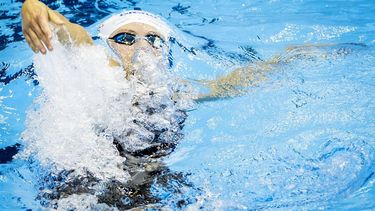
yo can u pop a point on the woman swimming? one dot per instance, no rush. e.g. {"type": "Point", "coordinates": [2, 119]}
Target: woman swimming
{"type": "Point", "coordinates": [125, 33]}
{"type": "Point", "coordinates": [129, 41]}
{"type": "Point", "coordinates": [135, 36]}
{"type": "Point", "coordinates": [155, 124]}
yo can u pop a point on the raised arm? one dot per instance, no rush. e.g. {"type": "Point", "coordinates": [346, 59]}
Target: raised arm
{"type": "Point", "coordinates": [36, 19]}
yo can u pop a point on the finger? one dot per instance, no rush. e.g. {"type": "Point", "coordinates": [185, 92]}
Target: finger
{"type": "Point", "coordinates": [36, 41]}
{"type": "Point", "coordinates": [38, 32]}
{"type": "Point", "coordinates": [43, 24]}
{"type": "Point", "coordinates": [28, 40]}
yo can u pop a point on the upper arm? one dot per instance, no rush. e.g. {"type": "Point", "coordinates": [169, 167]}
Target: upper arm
{"type": "Point", "coordinates": [79, 34]}
{"type": "Point", "coordinates": [71, 33]}
{"type": "Point", "coordinates": [68, 32]}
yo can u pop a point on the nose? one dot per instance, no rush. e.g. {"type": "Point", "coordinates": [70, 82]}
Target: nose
{"type": "Point", "coordinates": [142, 50]}
{"type": "Point", "coordinates": [141, 43]}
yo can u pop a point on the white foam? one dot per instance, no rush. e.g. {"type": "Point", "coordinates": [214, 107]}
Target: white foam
{"type": "Point", "coordinates": [81, 203]}
{"type": "Point", "coordinates": [79, 92]}
{"type": "Point", "coordinates": [84, 104]}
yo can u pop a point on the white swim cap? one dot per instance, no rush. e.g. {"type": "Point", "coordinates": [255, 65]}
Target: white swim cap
{"type": "Point", "coordinates": [131, 16]}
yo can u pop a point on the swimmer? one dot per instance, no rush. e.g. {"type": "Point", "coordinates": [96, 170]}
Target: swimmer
{"type": "Point", "coordinates": [124, 33]}
{"type": "Point", "coordinates": [127, 34]}
{"type": "Point", "coordinates": [131, 30]}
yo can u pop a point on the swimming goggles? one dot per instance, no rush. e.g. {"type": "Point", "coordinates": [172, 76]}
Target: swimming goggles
{"type": "Point", "coordinates": [129, 39]}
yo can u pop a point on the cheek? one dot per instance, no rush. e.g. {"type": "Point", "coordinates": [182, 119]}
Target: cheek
{"type": "Point", "coordinates": [125, 52]}
{"type": "Point", "coordinates": [162, 55]}
{"type": "Point", "coordinates": [156, 52]}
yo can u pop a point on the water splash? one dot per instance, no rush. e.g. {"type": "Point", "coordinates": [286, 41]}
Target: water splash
{"type": "Point", "coordinates": [79, 92]}
{"type": "Point", "coordinates": [89, 115]}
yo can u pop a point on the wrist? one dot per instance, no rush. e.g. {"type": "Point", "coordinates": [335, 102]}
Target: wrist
{"type": "Point", "coordinates": [55, 14]}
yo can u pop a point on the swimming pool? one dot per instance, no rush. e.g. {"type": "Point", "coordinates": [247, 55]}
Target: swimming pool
{"type": "Point", "coordinates": [302, 139]}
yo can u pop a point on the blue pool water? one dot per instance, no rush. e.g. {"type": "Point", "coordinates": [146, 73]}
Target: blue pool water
{"type": "Point", "coordinates": [303, 139]}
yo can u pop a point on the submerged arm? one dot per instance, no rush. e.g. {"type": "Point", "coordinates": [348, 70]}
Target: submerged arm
{"type": "Point", "coordinates": [236, 82]}
{"type": "Point", "coordinates": [239, 80]}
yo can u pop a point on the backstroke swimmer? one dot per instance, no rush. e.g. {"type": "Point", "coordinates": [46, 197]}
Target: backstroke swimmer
{"type": "Point", "coordinates": [125, 33]}
{"type": "Point", "coordinates": [128, 33]}
{"type": "Point", "coordinates": [133, 31]}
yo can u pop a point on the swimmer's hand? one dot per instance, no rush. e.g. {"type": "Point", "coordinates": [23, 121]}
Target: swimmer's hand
{"type": "Point", "coordinates": [35, 24]}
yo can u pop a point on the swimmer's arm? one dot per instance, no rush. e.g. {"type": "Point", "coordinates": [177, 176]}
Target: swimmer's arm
{"type": "Point", "coordinates": [36, 17]}
{"type": "Point", "coordinates": [77, 35]}
{"type": "Point", "coordinates": [238, 81]}
{"type": "Point", "coordinates": [73, 33]}
{"type": "Point", "coordinates": [235, 83]}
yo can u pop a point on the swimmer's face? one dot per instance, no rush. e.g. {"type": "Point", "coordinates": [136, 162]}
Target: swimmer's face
{"type": "Point", "coordinates": [148, 38]}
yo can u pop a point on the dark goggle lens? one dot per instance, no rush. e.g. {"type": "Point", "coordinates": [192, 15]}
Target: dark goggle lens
{"type": "Point", "coordinates": [155, 40]}
{"type": "Point", "coordinates": [129, 39]}
{"type": "Point", "coordinates": [124, 38]}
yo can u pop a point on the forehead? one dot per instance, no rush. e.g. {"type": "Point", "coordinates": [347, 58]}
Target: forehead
{"type": "Point", "coordinates": [137, 28]}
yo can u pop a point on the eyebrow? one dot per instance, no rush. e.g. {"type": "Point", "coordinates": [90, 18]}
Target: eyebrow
{"type": "Point", "coordinates": [126, 31]}
{"type": "Point", "coordinates": [129, 31]}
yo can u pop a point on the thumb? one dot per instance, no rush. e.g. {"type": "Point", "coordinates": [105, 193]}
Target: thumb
{"type": "Point", "coordinates": [54, 18]}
